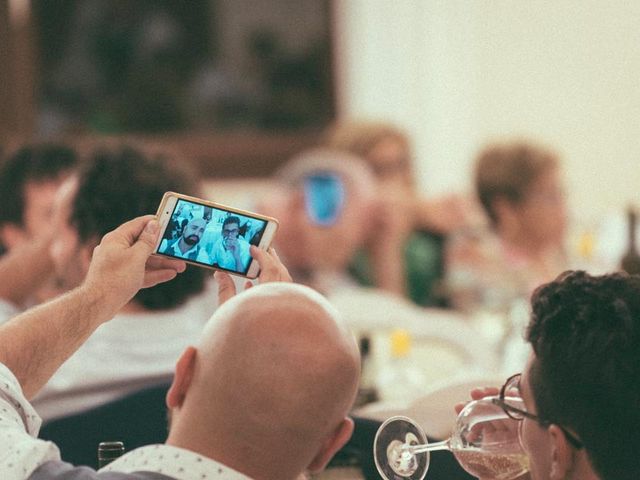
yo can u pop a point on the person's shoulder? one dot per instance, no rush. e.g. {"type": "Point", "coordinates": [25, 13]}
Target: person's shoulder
{"type": "Point", "coordinates": [59, 470]}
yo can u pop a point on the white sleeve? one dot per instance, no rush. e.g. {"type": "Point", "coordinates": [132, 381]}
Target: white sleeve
{"type": "Point", "coordinates": [20, 451]}
{"type": "Point", "coordinates": [7, 311]}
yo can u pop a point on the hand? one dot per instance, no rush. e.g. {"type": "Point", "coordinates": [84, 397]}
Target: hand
{"type": "Point", "coordinates": [447, 214]}
{"type": "Point", "coordinates": [493, 430]}
{"type": "Point", "coordinates": [271, 270]}
{"type": "Point", "coordinates": [121, 265]}
{"type": "Point", "coordinates": [231, 244]}
{"type": "Point", "coordinates": [477, 394]}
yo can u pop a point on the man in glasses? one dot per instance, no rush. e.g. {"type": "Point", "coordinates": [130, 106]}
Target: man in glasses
{"type": "Point", "coordinates": [231, 251]}
{"type": "Point", "coordinates": [581, 384]}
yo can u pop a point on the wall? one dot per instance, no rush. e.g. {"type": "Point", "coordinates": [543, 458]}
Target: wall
{"type": "Point", "coordinates": [458, 73]}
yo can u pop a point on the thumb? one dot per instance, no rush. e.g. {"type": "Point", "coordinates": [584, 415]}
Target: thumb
{"type": "Point", "coordinates": [226, 287]}
{"type": "Point", "coordinates": [148, 238]}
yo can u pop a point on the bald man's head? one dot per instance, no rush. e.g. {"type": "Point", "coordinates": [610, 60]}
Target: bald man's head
{"type": "Point", "coordinates": [274, 377]}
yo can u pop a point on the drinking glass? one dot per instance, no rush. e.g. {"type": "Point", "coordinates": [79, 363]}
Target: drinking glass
{"type": "Point", "coordinates": [484, 441]}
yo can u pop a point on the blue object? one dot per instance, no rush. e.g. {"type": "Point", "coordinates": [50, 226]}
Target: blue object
{"type": "Point", "coordinates": [324, 196]}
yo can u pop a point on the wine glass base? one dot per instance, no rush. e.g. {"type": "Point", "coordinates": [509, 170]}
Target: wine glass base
{"type": "Point", "coordinates": [393, 461]}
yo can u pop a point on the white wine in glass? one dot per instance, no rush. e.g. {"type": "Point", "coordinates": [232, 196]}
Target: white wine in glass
{"type": "Point", "coordinates": [484, 441]}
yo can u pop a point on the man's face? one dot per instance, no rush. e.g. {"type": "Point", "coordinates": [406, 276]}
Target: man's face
{"type": "Point", "coordinates": [534, 438]}
{"type": "Point", "coordinates": [543, 214]}
{"type": "Point", "coordinates": [230, 230]}
{"type": "Point", "coordinates": [70, 258]}
{"type": "Point", "coordinates": [37, 215]}
{"type": "Point", "coordinates": [39, 198]}
{"type": "Point", "coordinates": [193, 231]}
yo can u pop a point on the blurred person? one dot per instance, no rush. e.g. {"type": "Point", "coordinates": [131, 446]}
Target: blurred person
{"type": "Point", "coordinates": [520, 189]}
{"type": "Point", "coordinates": [187, 245]}
{"type": "Point", "coordinates": [404, 245]}
{"type": "Point", "coordinates": [316, 243]}
{"type": "Point", "coordinates": [581, 379]}
{"type": "Point", "coordinates": [29, 180]}
{"type": "Point", "coordinates": [263, 395]}
{"type": "Point", "coordinates": [231, 251]}
{"type": "Point", "coordinates": [143, 340]}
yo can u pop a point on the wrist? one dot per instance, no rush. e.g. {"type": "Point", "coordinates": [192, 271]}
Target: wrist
{"type": "Point", "coordinates": [96, 301]}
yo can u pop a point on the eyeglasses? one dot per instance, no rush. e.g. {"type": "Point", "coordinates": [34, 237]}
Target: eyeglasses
{"type": "Point", "coordinates": [511, 389]}
{"type": "Point", "coordinates": [229, 231]}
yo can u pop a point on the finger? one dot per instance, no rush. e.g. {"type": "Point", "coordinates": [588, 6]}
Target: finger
{"type": "Point", "coordinates": [148, 238]}
{"type": "Point", "coordinates": [459, 406]}
{"type": "Point", "coordinates": [130, 231]}
{"type": "Point", "coordinates": [226, 287]}
{"type": "Point", "coordinates": [155, 277]}
{"type": "Point", "coordinates": [265, 261]}
{"type": "Point", "coordinates": [258, 254]}
{"type": "Point", "coordinates": [248, 285]}
{"type": "Point", "coordinates": [285, 276]}
{"type": "Point", "coordinates": [481, 392]}
{"type": "Point", "coordinates": [156, 263]}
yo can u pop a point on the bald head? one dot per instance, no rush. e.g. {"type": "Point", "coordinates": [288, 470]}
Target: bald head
{"type": "Point", "coordinates": [305, 243]}
{"type": "Point", "coordinates": [275, 375]}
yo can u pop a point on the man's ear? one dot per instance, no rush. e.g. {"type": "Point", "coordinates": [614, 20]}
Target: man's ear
{"type": "Point", "coordinates": [182, 378]}
{"type": "Point", "coordinates": [12, 235]}
{"type": "Point", "coordinates": [561, 454]}
{"type": "Point", "coordinates": [332, 444]}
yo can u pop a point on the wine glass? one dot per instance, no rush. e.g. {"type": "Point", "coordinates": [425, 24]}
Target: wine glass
{"type": "Point", "coordinates": [484, 441]}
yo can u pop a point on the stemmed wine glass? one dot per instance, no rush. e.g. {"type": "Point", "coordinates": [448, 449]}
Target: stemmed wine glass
{"type": "Point", "coordinates": [484, 441]}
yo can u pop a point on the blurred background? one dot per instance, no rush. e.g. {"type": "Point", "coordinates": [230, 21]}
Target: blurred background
{"type": "Point", "coordinates": [455, 74]}
{"type": "Point", "coordinates": [240, 88]}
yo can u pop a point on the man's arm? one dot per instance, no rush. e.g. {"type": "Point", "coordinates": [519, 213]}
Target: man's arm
{"type": "Point", "coordinates": [34, 344]}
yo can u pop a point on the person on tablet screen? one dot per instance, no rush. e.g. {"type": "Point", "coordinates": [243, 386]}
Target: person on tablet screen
{"type": "Point", "coordinates": [187, 246]}
{"type": "Point", "coordinates": [231, 251]}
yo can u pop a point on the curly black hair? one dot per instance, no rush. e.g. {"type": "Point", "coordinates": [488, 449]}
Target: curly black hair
{"type": "Point", "coordinates": [585, 332]}
{"type": "Point", "coordinates": [117, 185]}
{"type": "Point", "coordinates": [31, 163]}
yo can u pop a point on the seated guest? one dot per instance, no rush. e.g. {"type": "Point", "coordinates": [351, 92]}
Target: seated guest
{"type": "Point", "coordinates": [29, 180]}
{"type": "Point", "coordinates": [520, 189]}
{"type": "Point", "coordinates": [231, 251]}
{"type": "Point", "coordinates": [264, 395]}
{"type": "Point", "coordinates": [324, 200]}
{"type": "Point", "coordinates": [139, 347]}
{"type": "Point", "coordinates": [403, 251]}
{"type": "Point", "coordinates": [581, 382]}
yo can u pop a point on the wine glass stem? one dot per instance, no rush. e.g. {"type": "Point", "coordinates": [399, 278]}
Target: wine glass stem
{"type": "Point", "coordinates": [428, 447]}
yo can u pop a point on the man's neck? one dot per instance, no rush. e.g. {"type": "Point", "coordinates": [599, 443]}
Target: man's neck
{"type": "Point", "coordinates": [232, 454]}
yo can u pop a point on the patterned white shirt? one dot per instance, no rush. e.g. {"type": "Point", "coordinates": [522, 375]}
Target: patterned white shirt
{"type": "Point", "coordinates": [21, 453]}
{"type": "Point", "coordinates": [174, 462]}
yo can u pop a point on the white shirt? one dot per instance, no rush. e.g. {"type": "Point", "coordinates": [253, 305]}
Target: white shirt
{"type": "Point", "coordinates": [131, 352]}
{"type": "Point", "coordinates": [174, 250]}
{"type": "Point", "coordinates": [225, 259]}
{"type": "Point", "coordinates": [7, 311]}
{"type": "Point", "coordinates": [174, 462]}
{"type": "Point", "coordinates": [21, 453]}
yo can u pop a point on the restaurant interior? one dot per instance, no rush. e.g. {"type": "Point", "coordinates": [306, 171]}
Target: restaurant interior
{"type": "Point", "coordinates": [430, 273]}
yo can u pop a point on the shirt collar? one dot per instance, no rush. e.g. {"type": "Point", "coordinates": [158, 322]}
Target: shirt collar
{"type": "Point", "coordinates": [173, 462]}
{"type": "Point", "coordinates": [178, 252]}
